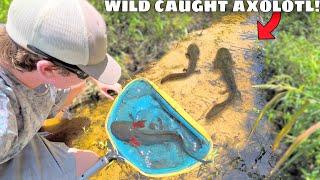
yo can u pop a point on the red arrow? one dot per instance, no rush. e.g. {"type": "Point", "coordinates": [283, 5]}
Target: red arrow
{"type": "Point", "coordinates": [265, 31]}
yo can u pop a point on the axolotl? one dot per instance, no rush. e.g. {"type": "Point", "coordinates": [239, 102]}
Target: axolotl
{"type": "Point", "coordinates": [193, 53]}
{"type": "Point", "coordinates": [224, 63]}
{"type": "Point", "coordinates": [135, 134]}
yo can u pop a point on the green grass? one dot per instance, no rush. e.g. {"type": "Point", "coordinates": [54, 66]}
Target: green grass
{"type": "Point", "coordinates": [294, 146]}
{"type": "Point", "coordinates": [146, 36]}
{"type": "Point", "coordinates": [293, 61]}
{"type": "Point", "coordinates": [4, 5]}
{"type": "Point", "coordinates": [142, 37]}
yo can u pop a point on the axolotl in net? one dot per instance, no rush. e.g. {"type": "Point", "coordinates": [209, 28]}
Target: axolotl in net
{"type": "Point", "coordinates": [135, 134]}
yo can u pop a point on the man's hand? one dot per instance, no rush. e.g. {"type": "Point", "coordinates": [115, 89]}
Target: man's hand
{"type": "Point", "coordinates": [106, 89]}
{"type": "Point", "coordinates": [76, 90]}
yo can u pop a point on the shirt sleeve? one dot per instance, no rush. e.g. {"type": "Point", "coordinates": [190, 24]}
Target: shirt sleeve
{"type": "Point", "coordinates": [8, 129]}
{"type": "Point", "coordinates": [61, 96]}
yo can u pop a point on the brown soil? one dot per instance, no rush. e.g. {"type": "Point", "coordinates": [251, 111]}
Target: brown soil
{"type": "Point", "coordinates": [196, 94]}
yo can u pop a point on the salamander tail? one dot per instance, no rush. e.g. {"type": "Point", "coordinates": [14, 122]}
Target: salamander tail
{"type": "Point", "coordinates": [215, 110]}
{"type": "Point", "coordinates": [174, 76]}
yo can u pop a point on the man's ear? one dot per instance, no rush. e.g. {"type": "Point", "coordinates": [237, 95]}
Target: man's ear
{"type": "Point", "coordinates": [46, 69]}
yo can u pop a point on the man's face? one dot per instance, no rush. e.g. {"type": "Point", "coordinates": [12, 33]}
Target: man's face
{"type": "Point", "coordinates": [52, 75]}
{"type": "Point", "coordinates": [63, 82]}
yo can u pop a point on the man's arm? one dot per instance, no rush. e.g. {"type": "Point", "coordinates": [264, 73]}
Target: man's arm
{"type": "Point", "coordinates": [74, 92]}
{"type": "Point", "coordinates": [77, 89]}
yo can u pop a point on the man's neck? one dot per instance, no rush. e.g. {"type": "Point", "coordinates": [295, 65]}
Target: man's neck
{"type": "Point", "coordinates": [29, 79]}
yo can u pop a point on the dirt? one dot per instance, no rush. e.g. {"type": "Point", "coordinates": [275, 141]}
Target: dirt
{"type": "Point", "coordinates": [196, 94]}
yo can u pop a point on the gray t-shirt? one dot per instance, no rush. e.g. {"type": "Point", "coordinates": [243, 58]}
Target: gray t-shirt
{"type": "Point", "coordinates": [23, 111]}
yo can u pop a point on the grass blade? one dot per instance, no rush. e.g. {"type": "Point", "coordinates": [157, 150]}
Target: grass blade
{"type": "Point", "coordinates": [273, 101]}
{"type": "Point", "coordinates": [290, 161]}
{"type": "Point", "coordinates": [286, 129]}
{"type": "Point", "coordinates": [277, 88]}
{"type": "Point", "coordinates": [305, 135]}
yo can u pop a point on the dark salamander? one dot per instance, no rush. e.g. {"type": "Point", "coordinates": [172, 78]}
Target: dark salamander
{"type": "Point", "coordinates": [192, 54]}
{"type": "Point", "coordinates": [224, 63]}
{"type": "Point", "coordinates": [135, 134]}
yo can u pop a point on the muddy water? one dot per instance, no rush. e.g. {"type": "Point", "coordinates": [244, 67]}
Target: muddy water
{"type": "Point", "coordinates": [256, 160]}
{"type": "Point", "coordinates": [237, 157]}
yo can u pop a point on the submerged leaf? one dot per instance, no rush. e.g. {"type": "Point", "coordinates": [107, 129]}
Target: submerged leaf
{"type": "Point", "coordinates": [286, 129]}
{"type": "Point", "coordinates": [305, 135]}
{"type": "Point", "coordinates": [273, 101]}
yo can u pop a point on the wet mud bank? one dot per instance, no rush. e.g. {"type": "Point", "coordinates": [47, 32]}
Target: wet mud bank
{"type": "Point", "coordinates": [256, 159]}
{"type": "Point", "coordinates": [236, 156]}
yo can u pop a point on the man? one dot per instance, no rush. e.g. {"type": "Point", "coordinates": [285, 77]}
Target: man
{"type": "Point", "coordinates": [47, 49]}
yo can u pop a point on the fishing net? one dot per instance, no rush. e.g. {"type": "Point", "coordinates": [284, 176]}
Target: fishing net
{"type": "Point", "coordinates": [142, 100]}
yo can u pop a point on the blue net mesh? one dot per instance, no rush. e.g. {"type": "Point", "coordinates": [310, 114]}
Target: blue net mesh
{"type": "Point", "coordinates": [140, 101]}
